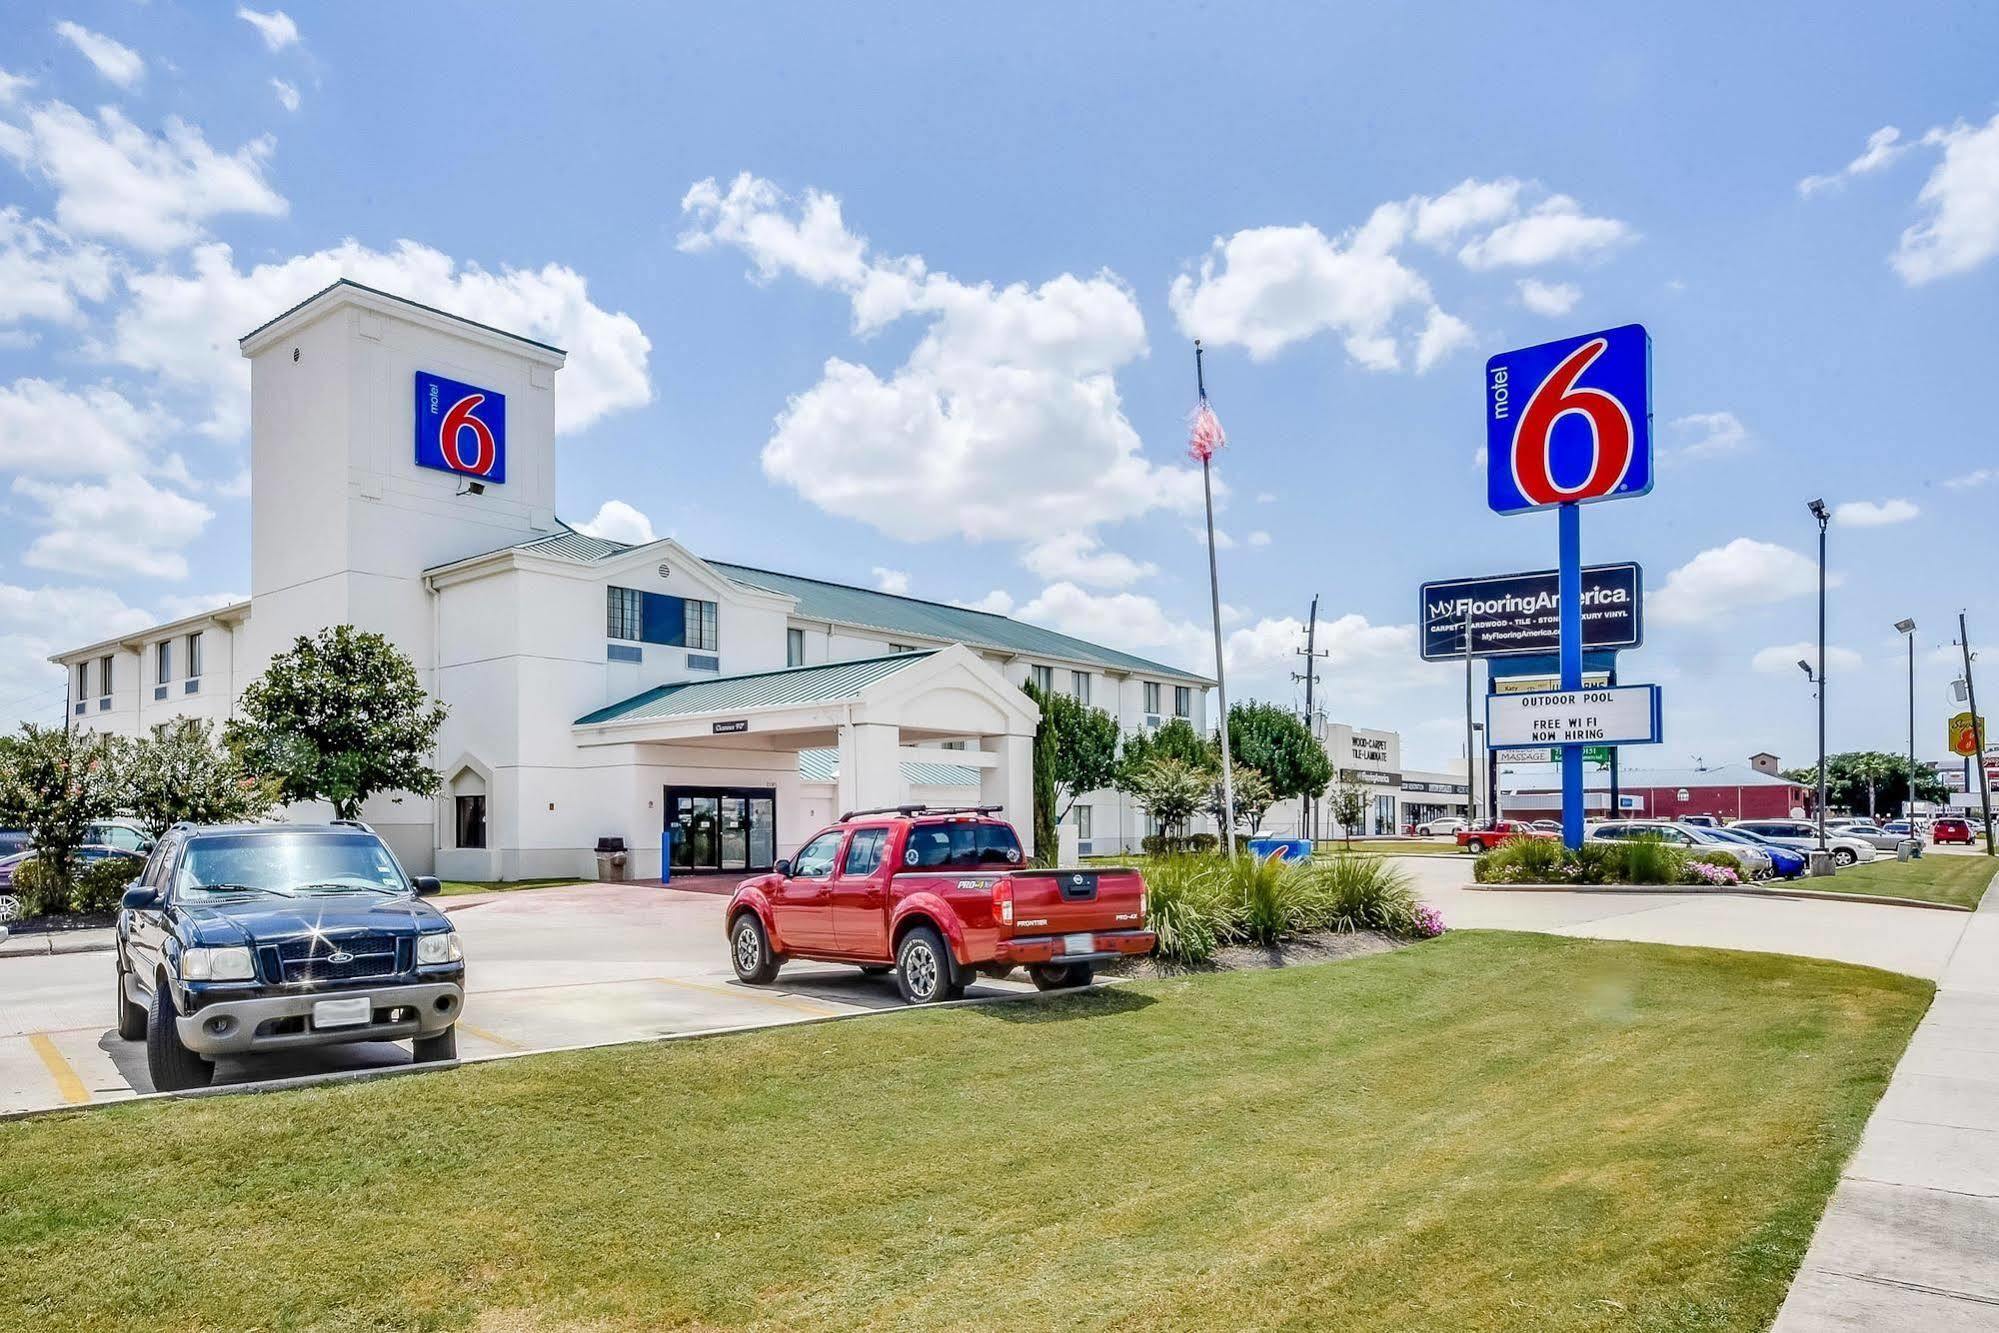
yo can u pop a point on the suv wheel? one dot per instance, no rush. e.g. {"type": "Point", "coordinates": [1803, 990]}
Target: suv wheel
{"type": "Point", "coordinates": [1843, 856]}
{"type": "Point", "coordinates": [923, 968]}
{"type": "Point", "coordinates": [171, 1066]}
{"type": "Point", "coordinates": [1062, 976]}
{"type": "Point", "coordinates": [749, 950]}
{"type": "Point", "coordinates": [438, 1046]}
{"type": "Point", "coordinates": [131, 1017]}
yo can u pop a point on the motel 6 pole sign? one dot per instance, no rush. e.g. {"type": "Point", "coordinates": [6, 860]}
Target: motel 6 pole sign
{"type": "Point", "coordinates": [1569, 423]}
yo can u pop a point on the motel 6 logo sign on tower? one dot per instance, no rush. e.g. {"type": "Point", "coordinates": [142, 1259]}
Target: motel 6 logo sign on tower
{"type": "Point", "coordinates": [460, 428]}
{"type": "Point", "coordinates": [1559, 423]}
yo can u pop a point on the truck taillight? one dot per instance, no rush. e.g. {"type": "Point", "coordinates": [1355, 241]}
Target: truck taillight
{"type": "Point", "coordinates": [1003, 902]}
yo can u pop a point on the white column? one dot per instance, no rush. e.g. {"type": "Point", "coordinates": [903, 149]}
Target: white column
{"type": "Point", "coordinates": [870, 767]}
{"type": "Point", "coordinates": [1010, 783]}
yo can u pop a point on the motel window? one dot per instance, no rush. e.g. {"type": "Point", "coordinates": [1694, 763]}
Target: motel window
{"type": "Point", "coordinates": [1044, 678]}
{"type": "Point", "coordinates": [1083, 822]}
{"type": "Point", "coordinates": [471, 821]}
{"type": "Point", "coordinates": [794, 647]}
{"type": "Point", "coordinates": [104, 676]}
{"type": "Point", "coordinates": [899, 648]}
{"type": "Point", "coordinates": [163, 661]}
{"type": "Point", "coordinates": [1079, 686]}
{"type": "Point", "coordinates": [194, 656]}
{"type": "Point", "coordinates": [1152, 698]}
{"type": "Point", "coordinates": [1183, 701]}
{"type": "Point", "coordinates": [650, 617]}
{"type": "Point", "coordinates": [82, 680]}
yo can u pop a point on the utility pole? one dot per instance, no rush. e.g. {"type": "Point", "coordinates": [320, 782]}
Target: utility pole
{"type": "Point", "coordinates": [1310, 675]}
{"type": "Point", "coordinates": [1471, 750]}
{"type": "Point", "coordinates": [1824, 517]}
{"type": "Point", "coordinates": [1971, 698]}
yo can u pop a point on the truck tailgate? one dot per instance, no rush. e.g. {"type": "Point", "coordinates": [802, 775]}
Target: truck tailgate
{"type": "Point", "coordinates": [1057, 902]}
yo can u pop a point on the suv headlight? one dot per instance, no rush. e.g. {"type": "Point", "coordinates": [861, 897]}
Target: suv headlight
{"type": "Point", "coordinates": [225, 964]}
{"type": "Point", "coordinates": [440, 946]}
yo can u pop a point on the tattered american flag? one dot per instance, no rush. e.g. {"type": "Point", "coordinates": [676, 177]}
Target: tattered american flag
{"type": "Point", "coordinates": [1204, 434]}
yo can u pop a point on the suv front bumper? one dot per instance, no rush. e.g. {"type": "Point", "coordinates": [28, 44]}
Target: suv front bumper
{"type": "Point", "coordinates": [283, 1022]}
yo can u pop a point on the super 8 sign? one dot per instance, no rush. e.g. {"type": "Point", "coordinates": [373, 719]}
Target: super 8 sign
{"type": "Point", "coordinates": [1569, 421]}
{"type": "Point", "coordinates": [460, 428]}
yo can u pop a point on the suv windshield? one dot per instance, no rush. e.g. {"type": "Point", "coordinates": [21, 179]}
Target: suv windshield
{"type": "Point", "coordinates": [286, 864]}
{"type": "Point", "coordinates": [961, 846]}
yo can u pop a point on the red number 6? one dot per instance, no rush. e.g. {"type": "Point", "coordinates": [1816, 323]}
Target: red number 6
{"type": "Point", "coordinates": [450, 437]}
{"type": "Point", "coordinates": [1533, 439]}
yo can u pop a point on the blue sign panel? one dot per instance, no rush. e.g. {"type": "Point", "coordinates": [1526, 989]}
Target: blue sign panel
{"type": "Point", "coordinates": [1569, 421]}
{"type": "Point", "coordinates": [1521, 613]}
{"type": "Point", "coordinates": [460, 428]}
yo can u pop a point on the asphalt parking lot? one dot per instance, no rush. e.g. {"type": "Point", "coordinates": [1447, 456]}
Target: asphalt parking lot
{"type": "Point", "coordinates": [581, 965]}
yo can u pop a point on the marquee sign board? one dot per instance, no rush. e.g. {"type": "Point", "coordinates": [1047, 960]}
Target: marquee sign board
{"type": "Point", "coordinates": [461, 428]}
{"type": "Point", "coordinates": [1613, 715]}
{"type": "Point", "coordinates": [1570, 421]}
{"type": "Point", "coordinates": [1517, 614]}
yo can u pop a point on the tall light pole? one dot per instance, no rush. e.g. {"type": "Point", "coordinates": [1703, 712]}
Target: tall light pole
{"type": "Point", "coordinates": [1824, 516]}
{"type": "Point", "coordinates": [1971, 702]}
{"type": "Point", "coordinates": [1908, 631]}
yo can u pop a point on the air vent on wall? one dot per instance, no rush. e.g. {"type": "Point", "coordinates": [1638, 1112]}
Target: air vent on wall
{"type": "Point", "coordinates": [664, 571]}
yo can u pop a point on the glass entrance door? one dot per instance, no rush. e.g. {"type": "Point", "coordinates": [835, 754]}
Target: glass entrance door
{"type": "Point", "coordinates": [721, 828]}
{"type": "Point", "coordinates": [735, 833]}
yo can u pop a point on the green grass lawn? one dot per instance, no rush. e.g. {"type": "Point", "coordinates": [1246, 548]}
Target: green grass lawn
{"type": "Point", "coordinates": [453, 887]}
{"type": "Point", "coordinates": [1489, 1131]}
{"type": "Point", "coordinates": [1959, 880]}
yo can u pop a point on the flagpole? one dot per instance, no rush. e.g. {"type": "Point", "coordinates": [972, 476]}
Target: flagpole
{"type": "Point", "coordinates": [1215, 606]}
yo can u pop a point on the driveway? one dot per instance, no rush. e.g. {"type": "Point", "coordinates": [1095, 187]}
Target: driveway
{"type": "Point", "coordinates": [580, 965]}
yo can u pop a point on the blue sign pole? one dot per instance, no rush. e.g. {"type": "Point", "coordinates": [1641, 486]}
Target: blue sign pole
{"type": "Point", "coordinates": [1571, 592]}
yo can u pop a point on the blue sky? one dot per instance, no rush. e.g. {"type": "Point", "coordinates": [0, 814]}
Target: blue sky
{"type": "Point", "coordinates": [905, 297]}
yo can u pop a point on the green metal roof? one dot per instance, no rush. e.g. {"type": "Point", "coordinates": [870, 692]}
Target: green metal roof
{"type": "Point", "coordinates": [823, 765]}
{"type": "Point", "coordinates": [834, 682]}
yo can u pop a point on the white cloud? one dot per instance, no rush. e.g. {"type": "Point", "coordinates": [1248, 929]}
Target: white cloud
{"type": "Point", "coordinates": [1266, 497]}
{"type": "Point", "coordinates": [1126, 620]}
{"type": "Point", "coordinates": [1467, 206]}
{"type": "Point", "coordinates": [1259, 538]}
{"type": "Point", "coordinates": [287, 94]}
{"type": "Point", "coordinates": [1549, 298]}
{"type": "Point", "coordinates": [1080, 557]}
{"type": "Point", "coordinates": [179, 605]}
{"type": "Point", "coordinates": [12, 86]}
{"type": "Point", "coordinates": [998, 601]}
{"type": "Point", "coordinates": [118, 63]}
{"type": "Point", "coordinates": [894, 581]}
{"type": "Point", "coordinates": [1883, 147]}
{"type": "Point", "coordinates": [125, 525]}
{"type": "Point", "coordinates": [1004, 419]}
{"type": "Point", "coordinates": [45, 275]}
{"type": "Point", "coordinates": [1199, 536]}
{"type": "Point", "coordinates": [35, 622]}
{"type": "Point", "coordinates": [184, 325]}
{"type": "Point", "coordinates": [50, 430]}
{"type": "Point", "coordinates": [1442, 334]}
{"type": "Point", "coordinates": [152, 192]}
{"type": "Point", "coordinates": [276, 27]}
{"type": "Point", "coordinates": [1976, 477]}
{"type": "Point", "coordinates": [1724, 579]}
{"type": "Point", "coordinates": [1873, 514]}
{"type": "Point", "coordinates": [1783, 658]}
{"type": "Point", "coordinates": [1707, 434]}
{"type": "Point", "coordinates": [1961, 195]}
{"type": "Point", "coordinates": [616, 521]}
{"type": "Point", "coordinates": [1555, 229]}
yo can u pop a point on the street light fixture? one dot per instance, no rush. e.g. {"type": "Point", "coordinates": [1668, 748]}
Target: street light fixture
{"type": "Point", "coordinates": [1824, 518]}
{"type": "Point", "coordinates": [1907, 628]}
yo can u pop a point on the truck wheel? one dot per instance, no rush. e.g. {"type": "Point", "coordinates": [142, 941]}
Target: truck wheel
{"type": "Point", "coordinates": [440, 1046]}
{"type": "Point", "coordinates": [1475, 847]}
{"type": "Point", "coordinates": [131, 1017]}
{"type": "Point", "coordinates": [923, 969]}
{"type": "Point", "coordinates": [171, 1066]}
{"type": "Point", "coordinates": [1062, 976]}
{"type": "Point", "coordinates": [749, 950]}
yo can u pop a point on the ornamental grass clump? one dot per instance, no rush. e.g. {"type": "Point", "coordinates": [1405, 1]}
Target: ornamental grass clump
{"type": "Point", "coordinates": [1183, 907]}
{"type": "Point", "coordinates": [1650, 861]}
{"type": "Point", "coordinates": [1268, 896]}
{"type": "Point", "coordinates": [1345, 892]}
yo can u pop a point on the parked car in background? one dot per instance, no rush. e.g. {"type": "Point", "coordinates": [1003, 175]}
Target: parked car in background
{"type": "Point", "coordinates": [1951, 830]}
{"type": "Point", "coordinates": [1875, 835]}
{"type": "Point", "coordinates": [87, 855]}
{"type": "Point", "coordinates": [1700, 821]}
{"type": "Point", "coordinates": [1553, 826]}
{"type": "Point", "coordinates": [1785, 862]}
{"type": "Point", "coordinates": [1804, 836]}
{"type": "Point", "coordinates": [245, 939]}
{"type": "Point", "coordinates": [12, 841]}
{"type": "Point", "coordinates": [1482, 838]}
{"type": "Point", "coordinates": [1443, 827]}
{"type": "Point", "coordinates": [126, 835]}
{"type": "Point", "coordinates": [936, 897]}
{"type": "Point", "coordinates": [1750, 860]}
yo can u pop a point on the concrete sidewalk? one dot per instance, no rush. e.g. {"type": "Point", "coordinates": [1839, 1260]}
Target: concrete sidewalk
{"type": "Point", "coordinates": [1911, 1237]}
{"type": "Point", "coordinates": [39, 944]}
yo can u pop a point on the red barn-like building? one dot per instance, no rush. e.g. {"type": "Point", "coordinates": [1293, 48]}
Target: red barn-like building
{"type": "Point", "coordinates": [1731, 791]}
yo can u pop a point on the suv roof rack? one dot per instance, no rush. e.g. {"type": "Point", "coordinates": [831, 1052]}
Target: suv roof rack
{"type": "Point", "coordinates": [908, 810]}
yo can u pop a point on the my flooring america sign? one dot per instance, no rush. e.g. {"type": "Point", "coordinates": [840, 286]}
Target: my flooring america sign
{"type": "Point", "coordinates": [1521, 613]}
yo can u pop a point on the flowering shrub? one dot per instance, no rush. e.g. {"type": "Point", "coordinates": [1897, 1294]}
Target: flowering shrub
{"type": "Point", "coordinates": [1428, 922]}
{"type": "Point", "coordinates": [1705, 872]}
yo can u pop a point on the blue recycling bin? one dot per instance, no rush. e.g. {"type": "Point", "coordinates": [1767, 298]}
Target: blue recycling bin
{"type": "Point", "coordinates": [1284, 849]}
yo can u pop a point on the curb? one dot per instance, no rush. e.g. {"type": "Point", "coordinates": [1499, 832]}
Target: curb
{"type": "Point", "coordinates": [44, 946]}
{"type": "Point", "coordinates": [1801, 895]}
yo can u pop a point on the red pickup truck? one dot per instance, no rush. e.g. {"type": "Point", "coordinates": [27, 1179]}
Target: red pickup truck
{"type": "Point", "coordinates": [937, 897]}
{"type": "Point", "coordinates": [1485, 837]}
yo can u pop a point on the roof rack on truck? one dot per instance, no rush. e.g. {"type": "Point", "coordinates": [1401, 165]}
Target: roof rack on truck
{"type": "Point", "coordinates": [908, 810]}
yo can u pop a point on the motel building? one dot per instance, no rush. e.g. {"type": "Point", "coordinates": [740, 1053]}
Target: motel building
{"type": "Point", "coordinates": [711, 715]}
{"type": "Point", "coordinates": [1396, 798]}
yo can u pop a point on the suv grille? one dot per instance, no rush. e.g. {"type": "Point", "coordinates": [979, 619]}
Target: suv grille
{"type": "Point", "coordinates": [337, 958]}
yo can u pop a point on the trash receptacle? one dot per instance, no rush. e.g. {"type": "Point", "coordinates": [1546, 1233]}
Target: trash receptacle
{"type": "Point", "coordinates": [1283, 849]}
{"type": "Point", "coordinates": [1907, 851]}
{"type": "Point", "coordinates": [611, 860]}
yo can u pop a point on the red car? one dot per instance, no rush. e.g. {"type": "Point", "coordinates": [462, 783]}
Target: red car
{"type": "Point", "coordinates": [1484, 837]}
{"type": "Point", "coordinates": [1951, 830]}
{"type": "Point", "coordinates": [936, 897]}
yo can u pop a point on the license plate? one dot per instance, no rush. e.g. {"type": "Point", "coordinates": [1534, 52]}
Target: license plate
{"type": "Point", "coordinates": [1074, 944]}
{"type": "Point", "coordinates": [342, 1013]}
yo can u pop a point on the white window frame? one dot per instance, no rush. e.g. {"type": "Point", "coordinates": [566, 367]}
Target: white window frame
{"type": "Point", "coordinates": [794, 647]}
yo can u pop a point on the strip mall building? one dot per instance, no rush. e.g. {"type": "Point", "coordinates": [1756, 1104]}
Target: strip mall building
{"type": "Point", "coordinates": [403, 474]}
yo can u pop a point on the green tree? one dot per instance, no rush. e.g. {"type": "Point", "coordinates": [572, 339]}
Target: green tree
{"type": "Point", "coordinates": [1177, 740]}
{"type": "Point", "coordinates": [339, 717]}
{"type": "Point", "coordinates": [1277, 744]}
{"type": "Point", "coordinates": [1085, 748]}
{"type": "Point", "coordinates": [53, 783]}
{"type": "Point", "coordinates": [1172, 792]}
{"type": "Point", "coordinates": [178, 773]}
{"type": "Point", "coordinates": [1348, 800]}
{"type": "Point", "coordinates": [1047, 845]}
{"type": "Point", "coordinates": [1253, 796]}
{"type": "Point", "coordinates": [1871, 780]}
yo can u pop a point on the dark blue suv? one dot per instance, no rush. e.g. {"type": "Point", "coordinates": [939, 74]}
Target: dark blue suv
{"type": "Point", "coordinates": [249, 938]}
